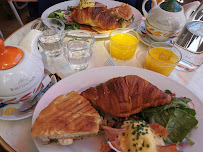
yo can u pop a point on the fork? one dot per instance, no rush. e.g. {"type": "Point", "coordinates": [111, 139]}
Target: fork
{"type": "Point", "coordinates": [109, 63]}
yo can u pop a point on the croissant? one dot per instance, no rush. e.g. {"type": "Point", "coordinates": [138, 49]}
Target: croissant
{"type": "Point", "coordinates": [124, 96]}
{"type": "Point", "coordinates": [101, 17]}
{"type": "Point", "coordinates": [95, 16]}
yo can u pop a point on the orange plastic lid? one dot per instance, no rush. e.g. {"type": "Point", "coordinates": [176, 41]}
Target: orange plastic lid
{"type": "Point", "coordinates": [9, 56]}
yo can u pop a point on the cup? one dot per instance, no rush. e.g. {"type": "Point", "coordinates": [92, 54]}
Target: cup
{"type": "Point", "coordinates": [162, 57]}
{"type": "Point", "coordinates": [156, 34]}
{"type": "Point", "coordinates": [78, 48]}
{"type": "Point", "coordinates": [50, 40]}
{"type": "Point", "coordinates": [123, 43]}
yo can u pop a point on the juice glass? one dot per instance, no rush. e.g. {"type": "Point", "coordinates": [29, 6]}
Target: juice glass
{"type": "Point", "coordinates": [162, 57]}
{"type": "Point", "coordinates": [123, 43]}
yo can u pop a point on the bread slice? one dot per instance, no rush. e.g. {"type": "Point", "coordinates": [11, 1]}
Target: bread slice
{"type": "Point", "coordinates": [66, 118]}
{"type": "Point", "coordinates": [123, 11]}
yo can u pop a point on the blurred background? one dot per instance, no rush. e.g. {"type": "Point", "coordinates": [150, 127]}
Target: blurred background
{"type": "Point", "coordinates": [9, 23]}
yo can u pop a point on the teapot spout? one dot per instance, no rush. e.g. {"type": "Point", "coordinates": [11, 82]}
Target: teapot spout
{"type": "Point", "coordinates": [29, 42]}
{"type": "Point", "coordinates": [189, 8]}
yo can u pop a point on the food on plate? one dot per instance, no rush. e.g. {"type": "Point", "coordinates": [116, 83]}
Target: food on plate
{"type": "Point", "coordinates": [86, 3]}
{"type": "Point", "coordinates": [124, 96]}
{"type": "Point", "coordinates": [177, 117]}
{"type": "Point", "coordinates": [99, 19]}
{"type": "Point", "coordinates": [66, 118]}
{"type": "Point", "coordinates": [106, 19]}
{"type": "Point", "coordinates": [133, 114]}
{"type": "Point", "coordinates": [136, 136]}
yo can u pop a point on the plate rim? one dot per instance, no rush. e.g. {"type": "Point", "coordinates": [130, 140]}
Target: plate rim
{"type": "Point", "coordinates": [44, 14]}
{"type": "Point", "coordinates": [123, 68]}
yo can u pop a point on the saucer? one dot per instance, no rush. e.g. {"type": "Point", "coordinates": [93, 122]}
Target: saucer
{"type": "Point", "coordinates": [12, 112]}
{"type": "Point", "coordinates": [144, 36]}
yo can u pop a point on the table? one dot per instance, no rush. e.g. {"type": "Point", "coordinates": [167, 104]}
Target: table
{"type": "Point", "coordinates": [20, 139]}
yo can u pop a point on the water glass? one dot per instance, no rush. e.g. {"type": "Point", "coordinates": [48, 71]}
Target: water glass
{"type": "Point", "coordinates": [162, 57]}
{"type": "Point", "coordinates": [50, 41]}
{"type": "Point", "coordinates": [123, 43]}
{"type": "Point", "coordinates": [78, 48]}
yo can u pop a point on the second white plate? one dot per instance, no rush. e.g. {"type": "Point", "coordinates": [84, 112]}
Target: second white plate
{"type": "Point", "coordinates": [108, 3]}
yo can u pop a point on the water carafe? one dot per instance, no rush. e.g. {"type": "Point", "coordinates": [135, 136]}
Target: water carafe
{"type": "Point", "coordinates": [190, 42]}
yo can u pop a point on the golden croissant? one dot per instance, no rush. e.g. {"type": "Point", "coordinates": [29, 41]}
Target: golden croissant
{"type": "Point", "coordinates": [103, 19]}
{"type": "Point", "coordinates": [124, 96]}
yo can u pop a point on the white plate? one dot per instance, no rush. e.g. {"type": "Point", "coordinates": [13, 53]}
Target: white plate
{"type": "Point", "coordinates": [92, 77]}
{"type": "Point", "coordinates": [108, 3]}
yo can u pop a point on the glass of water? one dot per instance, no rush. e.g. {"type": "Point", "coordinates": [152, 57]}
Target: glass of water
{"type": "Point", "coordinates": [78, 48]}
{"type": "Point", "coordinates": [50, 40]}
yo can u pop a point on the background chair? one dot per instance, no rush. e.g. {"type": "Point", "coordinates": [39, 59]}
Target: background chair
{"type": "Point", "coordinates": [13, 4]}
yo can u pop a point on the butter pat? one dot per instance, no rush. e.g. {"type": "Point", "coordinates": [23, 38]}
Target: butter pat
{"type": "Point", "coordinates": [86, 3]}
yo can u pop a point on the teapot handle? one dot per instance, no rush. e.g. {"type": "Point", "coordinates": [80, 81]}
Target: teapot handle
{"type": "Point", "coordinates": [188, 8]}
{"type": "Point", "coordinates": [29, 42]}
{"type": "Point", "coordinates": [143, 7]}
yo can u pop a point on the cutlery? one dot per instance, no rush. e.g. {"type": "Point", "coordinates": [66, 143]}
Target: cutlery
{"type": "Point", "coordinates": [30, 104]}
{"type": "Point", "coordinates": [109, 63]}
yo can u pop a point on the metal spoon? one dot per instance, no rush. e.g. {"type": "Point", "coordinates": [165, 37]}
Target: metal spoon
{"type": "Point", "coordinates": [32, 103]}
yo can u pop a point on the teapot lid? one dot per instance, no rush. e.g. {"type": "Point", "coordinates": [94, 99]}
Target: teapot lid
{"type": "Point", "coordinates": [171, 6]}
{"type": "Point", "coordinates": [9, 56]}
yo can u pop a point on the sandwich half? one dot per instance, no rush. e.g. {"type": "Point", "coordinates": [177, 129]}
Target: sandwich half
{"type": "Point", "coordinates": [66, 118]}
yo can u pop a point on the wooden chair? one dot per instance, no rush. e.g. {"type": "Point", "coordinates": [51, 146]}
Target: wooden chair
{"type": "Point", "coordinates": [11, 3]}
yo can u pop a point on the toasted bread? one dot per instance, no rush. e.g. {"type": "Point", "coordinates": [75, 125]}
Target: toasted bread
{"type": "Point", "coordinates": [123, 11]}
{"type": "Point", "coordinates": [66, 118]}
{"type": "Point", "coordinates": [88, 28]}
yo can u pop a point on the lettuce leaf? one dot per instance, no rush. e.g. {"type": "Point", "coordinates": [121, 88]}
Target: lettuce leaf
{"type": "Point", "coordinates": [177, 117]}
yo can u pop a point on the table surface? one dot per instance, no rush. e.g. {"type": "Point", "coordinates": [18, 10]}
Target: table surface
{"type": "Point", "coordinates": [17, 133]}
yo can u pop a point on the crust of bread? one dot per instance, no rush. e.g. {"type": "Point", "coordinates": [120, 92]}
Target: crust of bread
{"type": "Point", "coordinates": [88, 28]}
{"type": "Point", "coordinates": [67, 116]}
{"type": "Point", "coordinates": [123, 11]}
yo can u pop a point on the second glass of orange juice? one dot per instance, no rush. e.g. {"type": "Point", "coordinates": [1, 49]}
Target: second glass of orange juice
{"type": "Point", "coordinates": [123, 43]}
{"type": "Point", "coordinates": [162, 57]}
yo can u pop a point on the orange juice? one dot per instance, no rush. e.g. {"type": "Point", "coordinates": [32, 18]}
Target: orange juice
{"type": "Point", "coordinates": [161, 60]}
{"type": "Point", "coordinates": [123, 46]}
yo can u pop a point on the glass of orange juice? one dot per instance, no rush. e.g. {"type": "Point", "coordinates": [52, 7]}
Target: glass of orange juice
{"type": "Point", "coordinates": [162, 57]}
{"type": "Point", "coordinates": [123, 43]}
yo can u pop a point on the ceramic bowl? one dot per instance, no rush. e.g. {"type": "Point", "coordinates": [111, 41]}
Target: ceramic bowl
{"type": "Point", "coordinates": [23, 97]}
{"type": "Point", "coordinates": [158, 34]}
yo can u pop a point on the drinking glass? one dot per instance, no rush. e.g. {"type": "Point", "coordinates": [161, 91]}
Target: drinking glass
{"type": "Point", "coordinates": [78, 48]}
{"type": "Point", "coordinates": [123, 43]}
{"type": "Point", "coordinates": [162, 57]}
{"type": "Point", "coordinates": [50, 40]}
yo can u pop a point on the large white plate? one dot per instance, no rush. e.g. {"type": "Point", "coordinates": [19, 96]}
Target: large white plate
{"type": "Point", "coordinates": [108, 3]}
{"type": "Point", "coordinates": [85, 79]}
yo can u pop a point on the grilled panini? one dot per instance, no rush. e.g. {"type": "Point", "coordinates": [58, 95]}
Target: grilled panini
{"type": "Point", "coordinates": [66, 118]}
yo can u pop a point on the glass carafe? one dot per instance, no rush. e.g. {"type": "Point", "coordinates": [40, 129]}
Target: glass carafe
{"type": "Point", "coordinates": [190, 41]}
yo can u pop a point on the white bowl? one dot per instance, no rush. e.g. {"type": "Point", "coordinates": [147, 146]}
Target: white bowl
{"type": "Point", "coordinates": [158, 34]}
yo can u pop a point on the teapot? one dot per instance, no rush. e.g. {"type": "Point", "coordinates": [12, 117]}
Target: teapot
{"type": "Point", "coordinates": [169, 15]}
{"type": "Point", "coordinates": [21, 70]}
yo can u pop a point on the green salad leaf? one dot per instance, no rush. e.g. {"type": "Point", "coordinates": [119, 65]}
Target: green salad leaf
{"type": "Point", "coordinates": [177, 117]}
{"type": "Point", "coordinates": [68, 25]}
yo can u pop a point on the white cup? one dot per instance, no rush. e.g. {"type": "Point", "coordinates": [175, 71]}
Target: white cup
{"type": "Point", "coordinates": [157, 34]}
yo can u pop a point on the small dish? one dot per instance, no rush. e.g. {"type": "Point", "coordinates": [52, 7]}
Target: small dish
{"type": "Point", "coordinates": [10, 112]}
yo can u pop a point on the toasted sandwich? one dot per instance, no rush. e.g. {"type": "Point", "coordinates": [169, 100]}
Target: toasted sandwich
{"type": "Point", "coordinates": [66, 118]}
